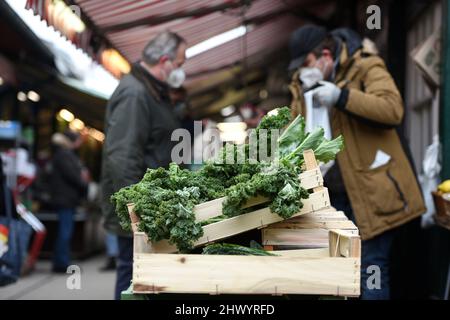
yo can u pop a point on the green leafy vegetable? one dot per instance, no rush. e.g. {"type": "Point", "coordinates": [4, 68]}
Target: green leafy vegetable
{"type": "Point", "coordinates": [294, 141]}
{"type": "Point", "coordinates": [234, 249]}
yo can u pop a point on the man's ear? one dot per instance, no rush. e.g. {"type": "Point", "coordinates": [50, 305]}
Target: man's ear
{"type": "Point", "coordinates": [327, 53]}
{"type": "Point", "coordinates": [163, 59]}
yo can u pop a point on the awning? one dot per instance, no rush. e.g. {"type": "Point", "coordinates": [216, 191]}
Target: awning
{"type": "Point", "coordinates": [129, 25]}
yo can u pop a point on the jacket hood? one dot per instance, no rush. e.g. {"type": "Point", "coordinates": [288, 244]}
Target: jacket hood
{"type": "Point", "coordinates": [60, 140]}
{"type": "Point", "coordinates": [352, 39]}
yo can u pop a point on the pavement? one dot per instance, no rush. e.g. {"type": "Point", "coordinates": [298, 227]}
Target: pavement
{"type": "Point", "coordinates": [42, 284]}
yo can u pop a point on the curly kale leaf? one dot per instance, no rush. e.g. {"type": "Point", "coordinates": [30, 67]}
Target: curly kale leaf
{"type": "Point", "coordinates": [164, 201]}
{"type": "Point", "coordinates": [278, 121]}
{"type": "Point", "coordinates": [120, 200]}
{"type": "Point", "coordinates": [278, 182]}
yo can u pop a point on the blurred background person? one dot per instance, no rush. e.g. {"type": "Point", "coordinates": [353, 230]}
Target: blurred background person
{"type": "Point", "coordinates": [69, 184]}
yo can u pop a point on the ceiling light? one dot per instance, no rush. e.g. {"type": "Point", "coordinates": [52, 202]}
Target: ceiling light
{"type": "Point", "coordinates": [21, 96]}
{"type": "Point", "coordinates": [1, 81]}
{"type": "Point", "coordinates": [216, 41]}
{"type": "Point", "coordinates": [33, 96]}
{"type": "Point", "coordinates": [233, 131]}
{"type": "Point", "coordinates": [263, 94]}
{"type": "Point", "coordinates": [97, 135]}
{"type": "Point", "coordinates": [76, 124]}
{"type": "Point", "coordinates": [66, 115]}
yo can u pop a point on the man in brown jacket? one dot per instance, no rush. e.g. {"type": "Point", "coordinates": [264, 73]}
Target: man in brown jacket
{"type": "Point", "coordinates": [372, 180]}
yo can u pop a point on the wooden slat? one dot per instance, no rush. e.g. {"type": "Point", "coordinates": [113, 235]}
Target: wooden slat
{"type": "Point", "coordinates": [304, 253]}
{"type": "Point", "coordinates": [141, 243]}
{"type": "Point", "coordinates": [311, 163]}
{"type": "Point", "coordinates": [133, 217]}
{"type": "Point", "coordinates": [344, 244]}
{"type": "Point", "coordinates": [298, 238]}
{"type": "Point", "coordinates": [311, 178]}
{"type": "Point", "coordinates": [168, 273]}
{"type": "Point", "coordinates": [304, 238]}
{"type": "Point", "coordinates": [344, 225]}
{"type": "Point", "coordinates": [316, 217]}
{"type": "Point", "coordinates": [258, 218]}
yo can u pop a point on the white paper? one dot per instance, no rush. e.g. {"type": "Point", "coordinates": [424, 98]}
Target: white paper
{"type": "Point", "coordinates": [317, 116]}
{"type": "Point", "coordinates": [381, 158]}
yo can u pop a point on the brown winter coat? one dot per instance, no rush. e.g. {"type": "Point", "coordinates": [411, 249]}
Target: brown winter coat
{"type": "Point", "coordinates": [366, 115]}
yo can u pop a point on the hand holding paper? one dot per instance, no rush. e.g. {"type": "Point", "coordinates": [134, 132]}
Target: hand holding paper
{"type": "Point", "coordinates": [327, 94]}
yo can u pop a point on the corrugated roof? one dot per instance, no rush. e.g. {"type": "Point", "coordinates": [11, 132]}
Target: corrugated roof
{"type": "Point", "coordinates": [129, 25]}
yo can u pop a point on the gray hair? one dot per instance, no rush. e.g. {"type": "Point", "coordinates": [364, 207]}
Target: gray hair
{"type": "Point", "coordinates": [164, 44]}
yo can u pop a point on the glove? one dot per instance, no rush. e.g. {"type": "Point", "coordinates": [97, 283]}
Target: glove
{"type": "Point", "coordinates": [309, 77]}
{"type": "Point", "coordinates": [327, 94]}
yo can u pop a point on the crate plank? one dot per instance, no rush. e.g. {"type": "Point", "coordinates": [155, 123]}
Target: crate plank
{"type": "Point", "coordinates": [305, 238]}
{"type": "Point", "coordinates": [344, 225]}
{"type": "Point", "coordinates": [304, 253]}
{"type": "Point", "coordinates": [344, 244]}
{"type": "Point", "coordinates": [168, 273]}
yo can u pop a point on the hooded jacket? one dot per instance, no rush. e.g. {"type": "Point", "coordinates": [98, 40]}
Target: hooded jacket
{"type": "Point", "coordinates": [367, 113]}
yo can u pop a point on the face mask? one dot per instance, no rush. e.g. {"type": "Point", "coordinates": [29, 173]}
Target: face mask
{"type": "Point", "coordinates": [176, 78]}
{"type": "Point", "coordinates": [310, 76]}
{"type": "Point", "coordinates": [322, 64]}
{"type": "Point", "coordinates": [246, 113]}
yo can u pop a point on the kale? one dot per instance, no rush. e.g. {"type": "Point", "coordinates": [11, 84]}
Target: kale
{"type": "Point", "coordinates": [234, 249]}
{"type": "Point", "coordinates": [278, 182]}
{"type": "Point", "coordinates": [278, 121]}
{"type": "Point", "coordinates": [165, 198]}
{"type": "Point", "coordinates": [164, 201]}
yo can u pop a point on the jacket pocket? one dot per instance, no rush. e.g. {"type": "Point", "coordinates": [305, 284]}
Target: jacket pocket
{"type": "Point", "coordinates": [383, 192]}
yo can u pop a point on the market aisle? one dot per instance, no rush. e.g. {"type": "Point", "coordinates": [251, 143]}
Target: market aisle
{"type": "Point", "coordinates": [42, 284]}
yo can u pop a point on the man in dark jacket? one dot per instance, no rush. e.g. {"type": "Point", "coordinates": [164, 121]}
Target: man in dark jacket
{"type": "Point", "coordinates": [138, 126]}
{"type": "Point", "coordinates": [68, 186]}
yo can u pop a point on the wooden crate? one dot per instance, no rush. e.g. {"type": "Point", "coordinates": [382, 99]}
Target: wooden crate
{"type": "Point", "coordinates": [311, 179]}
{"type": "Point", "coordinates": [327, 271]}
{"type": "Point", "coordinates": [332, 270]}
{"type": "Point", "coordinates": [307, 231]}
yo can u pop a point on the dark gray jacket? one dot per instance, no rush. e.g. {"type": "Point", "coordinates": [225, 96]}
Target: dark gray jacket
{"type": "Point", "coordinates": [138, 127]}
{"type": "Point", "coordinates": [66, 184]}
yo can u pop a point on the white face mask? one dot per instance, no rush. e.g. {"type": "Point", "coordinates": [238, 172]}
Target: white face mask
{"type": "Point", "coordinates": [176, 78]}
{"type": "Point", "coordinates": [310, 76]}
